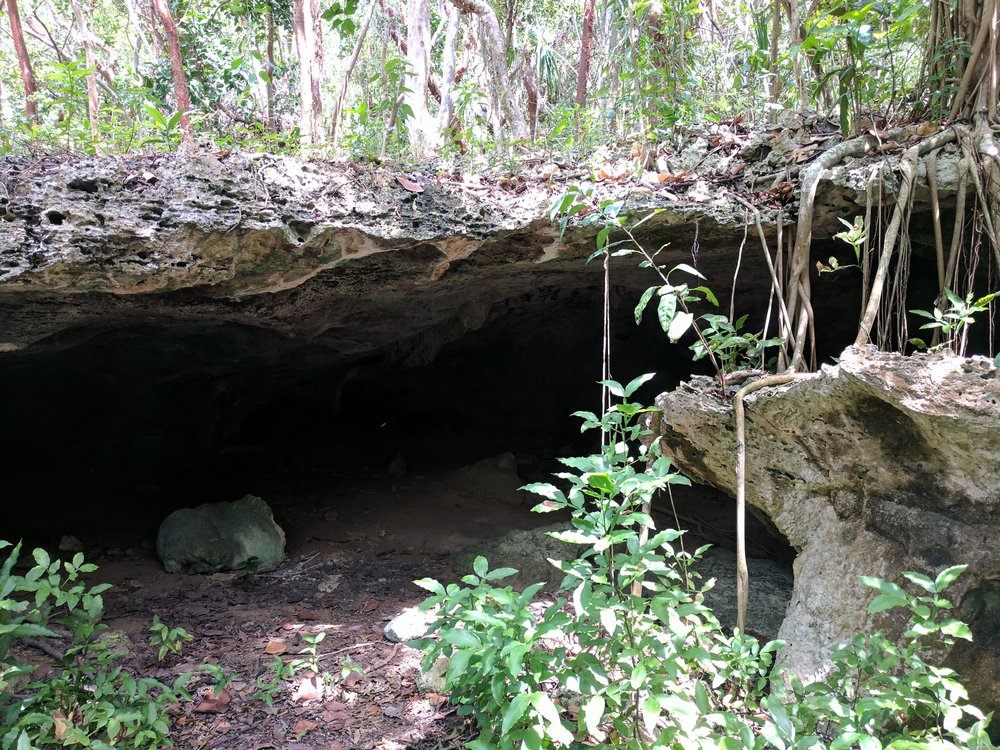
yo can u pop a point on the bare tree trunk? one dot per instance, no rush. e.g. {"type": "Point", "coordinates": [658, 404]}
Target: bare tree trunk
{"type": "Point", "coordinates": [177, 66]}
{"type": "Point", "coordinates": [448, 67]}
{"type": "Point", "coordinates": [318, 76]}
{"type": "Point", "coordinates": [269, 58]}
{"type": "Point", "coordinates": [339, 106]}
{"type": "Point", "coordinates": [420, 128]}
{"type": "Point", "coordinates": [156, 39]}
{"type": "Point", "coordinates": [23, 61]}
{"type": "Point", "coordinates": [93, 103]}
{"type": "Point", "coordinates": [496, 62]}
{"type": "Point", "coordinates": [586, 42]}
{"type": "Point", "coordinates": [303, 27]}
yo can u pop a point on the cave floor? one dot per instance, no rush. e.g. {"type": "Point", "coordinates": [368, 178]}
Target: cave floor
{"type": "Point", "coordinates": [354, 548]}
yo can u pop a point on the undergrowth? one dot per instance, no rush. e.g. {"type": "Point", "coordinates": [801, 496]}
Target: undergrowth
{"type": "Point", "coordinates": [628, 656]}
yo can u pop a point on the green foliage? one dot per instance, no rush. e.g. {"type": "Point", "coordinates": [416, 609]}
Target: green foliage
{"type": "Point", "coordinates": [734, 348]}
{"type": "Point", "coordinates": [91, 701]}
{"type": "Point", "coordinates": [727, 346]}
{"type": "Point", "coordinates": [854, 235]}
{"type": "Point", "coordinates": [954, 320]}
{"type": "Point", "coordinates": [628, 656]}
{"type": "Point", "coordinates": [883, 694]}
{"type": "Point", "coordinates": [169, 640]}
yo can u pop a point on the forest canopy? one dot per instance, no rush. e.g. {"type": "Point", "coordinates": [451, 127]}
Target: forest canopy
{"type": "Point", "coordinates": [382, 78]}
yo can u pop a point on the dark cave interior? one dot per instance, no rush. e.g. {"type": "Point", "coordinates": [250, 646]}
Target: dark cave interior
{"type": "Point", "coordinates": [110, 426]}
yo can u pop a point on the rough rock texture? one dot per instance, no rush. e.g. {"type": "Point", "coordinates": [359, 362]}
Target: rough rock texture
{"type": "Point", "coordinates": [220, 536]}
{"type": "Point", "coordinates": [879, 465]}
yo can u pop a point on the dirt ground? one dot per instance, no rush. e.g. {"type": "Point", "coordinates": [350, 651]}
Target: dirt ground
{"type": "Point", "coordinates": [353, 553]}
{"type": "Point", "coordinates": [354, 548]}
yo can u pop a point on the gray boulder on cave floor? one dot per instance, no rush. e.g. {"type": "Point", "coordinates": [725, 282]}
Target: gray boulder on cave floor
{"type": "Point", "coordinates": [221, 536]}
{"type": "Point", "coordinates": [879, 465]}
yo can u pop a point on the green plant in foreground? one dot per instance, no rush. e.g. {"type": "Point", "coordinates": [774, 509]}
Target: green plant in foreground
{"type": "Point", "coordinates": [954, 320]}
{"type": "Point", "coordinates": [169, 640]}
{"type": "Point", "coordinates": [883, 694]}
{"type": "Point", "coordinates": [627, 655]}
{"type": "Point", "coordinates": [90, 701]}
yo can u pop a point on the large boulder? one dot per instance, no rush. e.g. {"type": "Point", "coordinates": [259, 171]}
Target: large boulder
{"type": "Point", "coordinates": [880, 465]}
{"type": "Point", "coordinates": [221, 536]}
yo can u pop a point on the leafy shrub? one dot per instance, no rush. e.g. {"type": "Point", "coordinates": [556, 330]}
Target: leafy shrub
{"type": "Point", "coordinates": [628, 656]}
{"type": "Point", "coordinates": [91, 701]}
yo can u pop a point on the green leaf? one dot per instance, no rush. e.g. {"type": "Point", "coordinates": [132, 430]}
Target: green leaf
{"type": "Point", "coordinates": [679, 325]}
{"type": "Point", "coordinates": [515, 710]}
{"type": "Point", "coordinates": [685, 268]}
{"type": "Point", "coordinates": [884, 586]}
{"type": "Point", "coordinates": [614, 386]}
{"type": "Point", "coordinates": [666, 310]}
{"type": "Point", "coordinates": [601, 482]}
{"type": "Point", "coordinates": [480, 566]}
{"type": "Point", "coordinates": [500, 573]}
{"type": "Point", "coordinates": [947, 577]}
{"type": "Point", "coordinates": [882, 602]}
{"type": "Point", "coordinates": [550, 713]}
{"type": "Point", "coordinates": [430, 585]}
{"type": "Point", "coordinates": [461, 638]}
{"type": "Point", "coordinates": [609, 619]}
{"type": "Point", "coordinates": [637, 383]}
{"type": "Point", "coordinates": [920, 580]}
{"type": "Point", "coordinates": [592, 713]}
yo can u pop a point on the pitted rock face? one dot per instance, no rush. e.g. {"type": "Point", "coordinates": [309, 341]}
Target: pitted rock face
{"type": "Point", "coordinates": [880, 465]}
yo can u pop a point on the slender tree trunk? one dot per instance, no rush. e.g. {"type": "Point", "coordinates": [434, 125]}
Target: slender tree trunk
{"type": "Point", "coordinates": [420, 127]}
{"type": "Point", "coordinates": [774, 83]}
{"type": "Point", "coordinates": [93, 102]}
{"type": "Point", "coordinates": [339, 106]}
{"type": "Point", "coordinates": [318, 61]}
{"type": "Point", "coordinates": [448, 68]}
{"type": "Point", "coordinates": [155, 39]}
{"type": "Point", "coordinates": [496, 62]}
{"type": "Point", "coordinates": [586, 42]}
{"type": "Point", "coordinates": [23, 61]}
{"type": "Point", "coordinates": [177, 66]}
{"type": "Point", "coordinates": [303, 27]}
{"type": "Point", "coordinates": [269, 58]}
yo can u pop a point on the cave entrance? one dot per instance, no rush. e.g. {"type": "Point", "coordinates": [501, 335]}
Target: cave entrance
{"type": "Point", "coordinates": [418, 448]}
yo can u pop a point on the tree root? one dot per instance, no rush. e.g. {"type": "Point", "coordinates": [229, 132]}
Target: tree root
{"type": "Point", "coordinates": [742, 572]}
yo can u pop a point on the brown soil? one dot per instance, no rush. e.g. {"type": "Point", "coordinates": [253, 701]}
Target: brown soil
{"type": "Point", "coordinates": [354, 549]}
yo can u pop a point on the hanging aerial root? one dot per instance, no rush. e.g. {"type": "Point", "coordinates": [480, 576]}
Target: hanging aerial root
{"type": "Point", "coordinates": [803, 232]}
{"type": "Point", "coordinates": [908, 166]}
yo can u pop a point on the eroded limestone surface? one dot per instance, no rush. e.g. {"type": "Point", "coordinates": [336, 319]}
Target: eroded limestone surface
{"type": "Point", "coordinates": [879, 465]}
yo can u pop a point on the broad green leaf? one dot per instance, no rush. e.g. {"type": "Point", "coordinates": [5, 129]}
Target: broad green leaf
{"type": "Point", "coordinates": [480, 566]}
{"type": "Point", "coordinates": [600, 481]}
{"type": "Point", "coordinates": [882, 602]}
{"type": "Point", "coordinates": [679, 325]}
{"type": "Point", "coordinates": [883, 586]}
{"type": "Point", "coordinates": [500, 573]}
{"type": "Point", "coordinates": [514, 711]}
{"type": "Point", "coordinates": [430, 585]}
{"type": "Point", "coordinates": [592, 713]}
{"type": "Point", "coordinates": [609, 619]}
{"type": "Point", "coordinates": [685, 268]}
{"type": "Point", "coordinates": [948, 576]}
{"type": "Point", "coordinates": [666, 310]}
{"type": "Point", "coordinates": [461, 638]}
{"type": "Point", "coordinates": [637, 383]}
{"type": "Point", "coordinates": [920, 580]}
